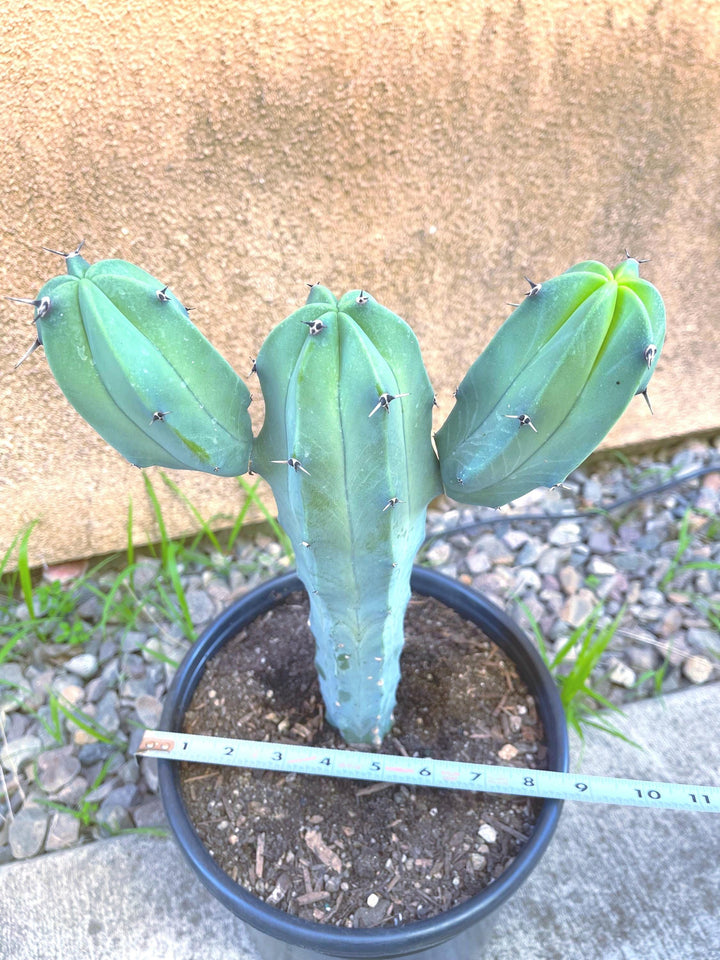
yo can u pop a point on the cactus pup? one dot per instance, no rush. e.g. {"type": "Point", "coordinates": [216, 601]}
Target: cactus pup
{"type": "Point", "coordinates": [346, 444]}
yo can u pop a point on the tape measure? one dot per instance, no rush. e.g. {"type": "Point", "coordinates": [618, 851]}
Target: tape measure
{"type": "Point", "coordinates": [422, 771]}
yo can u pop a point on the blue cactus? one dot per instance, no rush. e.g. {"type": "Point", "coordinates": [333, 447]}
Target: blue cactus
{"type": "Point", "coordinates": [346, 448]}
{"type": "Point", "coordinates": [346, 442]}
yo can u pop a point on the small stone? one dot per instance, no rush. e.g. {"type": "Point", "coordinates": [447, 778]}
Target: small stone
{"type": "Point", "coordinates": [702, 638]}
{"type": "Point", "coordinates": [81, 737]}
{"type": "Point", "coordinates": [148, 710]}
{"type": "Point", "coordinates": [476, 862]}
{"type": "Point", "coordinates": [84, 665]}
{"type": "Point", "coordinates": [18, 752]}
{"type": "Point", "coordinates": [478, 562]}
{"type": "Point", "coordinates": [671, 622]}
{"type": "Point", "coordinates": [674, 650]}
{"type": "Point", "coordinates": [90, 609]}
{"type": "Point", "coordinates": [697, 669]}
{"type": "Point", "coordinates": [148, 766]}
{"type": "Point", "coordinates": [651, 597]}
{"type": "Point", "coordinates": [565, 533]}
{"type": "Point", "coordinates": [201, 606]}
{"type": "Point", "coordinates": [622, 675]}
{"type": "Point", "coordinates": [132, 689]}
{"type": "Point", "coordinates": [488, 833]}
{"type": "Point", "coordinates": [599, 542]}
{"type": "Point", "coordinates": [64, 572]}
{"type": "Point", "coordinates": [56, 768]}
{"type": "Point", "coordinates": [94, 753]}
{"type": "Point", "coordinates": [508, 752]}
{"type": "Point", "coordinates": [133, 640]}
{"type": "Point", "coordinates": [439, 554]}
{"type": "Point", "coordinates": [63, 832]}
{"type": "Point", "coordinates": [496, 550]}
{"type": "Point", "coordinates": [516, 539]}
{"type": "Point", "coordinates": [124, 796]}
{"type": "Point", "coordinates": [570, 579]}
{"type": "Point", "coordinates": [102, 791]}
{"type": "Point", "coordinates": [72, 792]}
{"type": "Point", "coordinates": [151, 814]}
{"type": "Point", "coordinates": [592, 491]}
{"type": "Point", "coordinates": [27, 832]}
{"type": "Point", "coordinates": [642, 659]}
{"type": "Point", "coordinates": [549, 560]}
{"type": "Point", "coordinates": [129, 772]}
{"type": "Point", "coordinates": [134, 666]}
{"type": "Point", "coordinates": [145, 573]}
{"type": "Point", "coordinates": [115, 819]}
{"type": "Point", "coordinates": [601, 568]}
{"type": "Point", "coordinates": [525, 578]}
{"type": "Point", "coordinates": [530, 553]}
{"type": "Point", "coordinates": [578, 607]}
{"type": "Point", "coordinates": [64, 688]}
{"type": "Point", "coordinates": [373, 900]}
{"type": "Point", "coordinates": [14, 688]}
{"type": "Point", "coordinates": [371, 916]}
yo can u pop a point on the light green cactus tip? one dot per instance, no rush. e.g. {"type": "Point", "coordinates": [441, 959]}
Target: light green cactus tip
{"type": "Point", "coordinates": [125, 354]}
{"type": "Point", "coordinates": [551, 383]}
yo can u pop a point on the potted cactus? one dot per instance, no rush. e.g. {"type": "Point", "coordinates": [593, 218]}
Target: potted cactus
{"type": "Point", "coordinates": [347, 447]}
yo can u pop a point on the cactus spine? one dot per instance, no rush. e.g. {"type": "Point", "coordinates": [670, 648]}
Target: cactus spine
{"type": "Point", "coordinates": [346, 448]}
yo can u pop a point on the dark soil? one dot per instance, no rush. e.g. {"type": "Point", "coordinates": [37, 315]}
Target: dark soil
{"type": "Point", "coordinates": [347, 852]}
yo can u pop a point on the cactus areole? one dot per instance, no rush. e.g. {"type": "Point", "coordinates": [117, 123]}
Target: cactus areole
{"type": "Point", "coordinates": [346, 443]}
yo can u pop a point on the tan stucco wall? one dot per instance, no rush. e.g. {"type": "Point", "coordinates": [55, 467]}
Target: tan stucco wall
{"type": "Point", "coordinates": [432, 152]}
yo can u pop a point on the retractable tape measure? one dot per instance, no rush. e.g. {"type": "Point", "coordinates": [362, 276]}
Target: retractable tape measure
{"type": "Point", "coordinates": [422, 771]}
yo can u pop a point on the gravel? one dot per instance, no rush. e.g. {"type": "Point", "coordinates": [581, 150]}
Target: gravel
{"type": "Point", "coordinates": [555, 567]}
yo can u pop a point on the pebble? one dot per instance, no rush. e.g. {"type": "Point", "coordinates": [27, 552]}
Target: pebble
{"type": "Point", "coordinates": [578, 607]}
{"type": "Point", "coordinates": [27, 832]}
{"type": "Point", "coordinates": [558, 568]}
{"type": "Point", "coordinates": [565, 533]}
{"type": "Point", "coordinates": [19, 751]}
{"type": "Point", "coordinates": [85, 665]}
{"type": "Point", "coordinates": [622, 675]}
{"type": "Point", "coordinates": [14, 688]}
{"type": "Point", "coordinates": [63, 831]}
{"type": "Point", "coordinates": [148, 709]}
{"type": "Point", "coordinates": [56, 768]}
{"type": "Point", "coordinates": [487, 832]}
{"type": "Point", "coordinates": [697, 669]}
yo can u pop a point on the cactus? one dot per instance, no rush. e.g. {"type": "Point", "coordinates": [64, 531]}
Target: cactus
{"type": "Point", "coordinates": [127, 357]}
{"type": "Point", "coordinates": [346, 442]}
{"type": "Point", "coordinates": [346, 446]}
{"type": "Point", "coordinates": [551, 383]}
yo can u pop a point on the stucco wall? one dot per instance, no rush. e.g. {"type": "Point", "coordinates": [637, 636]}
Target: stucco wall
{"type": "Point", "coordinates": [431, 152]}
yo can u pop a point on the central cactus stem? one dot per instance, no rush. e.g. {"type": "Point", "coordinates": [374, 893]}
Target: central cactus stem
{"type": "Point", "coordinates": [346, 448]}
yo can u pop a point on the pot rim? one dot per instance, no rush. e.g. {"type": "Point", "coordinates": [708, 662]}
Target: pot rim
{"type": "Point", "coordinates": [380, 941]}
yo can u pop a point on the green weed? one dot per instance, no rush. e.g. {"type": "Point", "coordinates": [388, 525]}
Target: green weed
{"type": "Point", "coordinates": [573, 668]}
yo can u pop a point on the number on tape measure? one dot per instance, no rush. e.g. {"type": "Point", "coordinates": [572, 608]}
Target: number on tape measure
{"type": "Point", "coordinates": [424, 771]}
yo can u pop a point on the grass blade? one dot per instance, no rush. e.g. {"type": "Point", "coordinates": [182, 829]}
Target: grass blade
{"type": "Point", "coordinates": [204, 524]}
{"type": "Point", "coordinates": [24, 569]}
{"type": "Point", "coordinates": [160, 520]}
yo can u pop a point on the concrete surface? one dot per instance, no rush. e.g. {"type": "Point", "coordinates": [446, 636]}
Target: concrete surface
{"type": "Point", "coordinates": [618, 883]}
{"type": "Point", "coordinates": [433, 153]}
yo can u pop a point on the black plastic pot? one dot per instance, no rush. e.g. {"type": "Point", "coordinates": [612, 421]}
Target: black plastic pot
{"type": "Point", "coordinates": [461, 931]}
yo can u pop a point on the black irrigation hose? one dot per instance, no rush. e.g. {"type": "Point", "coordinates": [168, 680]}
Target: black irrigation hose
{"type": "Point", "coordinates": [579, 514]}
